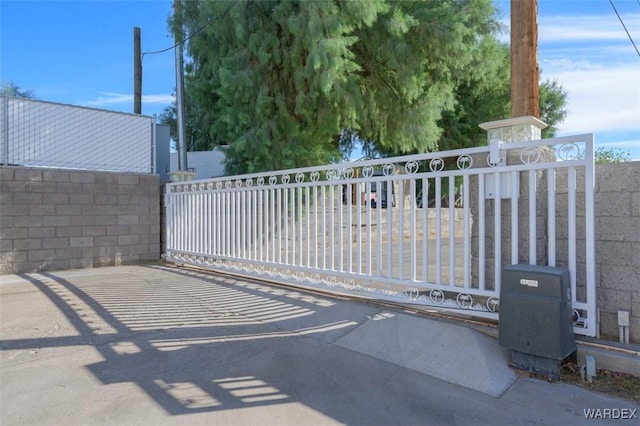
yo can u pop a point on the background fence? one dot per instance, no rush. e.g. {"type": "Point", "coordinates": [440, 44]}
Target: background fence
{"type": "Point", "coordinates": [43, 134]}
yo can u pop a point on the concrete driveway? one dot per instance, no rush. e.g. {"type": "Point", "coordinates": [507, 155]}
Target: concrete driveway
{"type": "Point", "coordinates": [159, 345]}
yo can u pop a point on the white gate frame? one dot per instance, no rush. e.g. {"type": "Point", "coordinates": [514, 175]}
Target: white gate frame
{"type": "Point", "coordinates": [320, 226]}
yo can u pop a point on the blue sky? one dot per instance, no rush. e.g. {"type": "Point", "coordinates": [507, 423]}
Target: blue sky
{"type": "Point", "coordinates": [81, 53]}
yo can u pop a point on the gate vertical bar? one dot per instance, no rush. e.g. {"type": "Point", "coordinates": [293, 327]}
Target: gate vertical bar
{"type": "Point", "coordinates": [515, 219]}
{"type": "Point", "coordinates": [452, 231]}
{"type": "Point", "coordinates": [533, 216]}
{"type": "Point", "coordinates": [425, 230]}
{"type": "Point", "coordinates": [359, 228]}
{"type": "Point", "coordinates": [589, 173]}
{"type": "Point", "coordinates": [481, 231]}
{"type": "Point", "coordinates": [438, 183]}
{"type": "Point", "coordinates": [401, 229]}
{"type": "Point", "coordinates": [551, 216]}
{"type": "Point", "coordinates": [412, 227]}
{"type": "Point", "coordinates": [467, 233]}
{"type": "Point", "coordinates": [571, 232]}
{"type": "Point", "coordinates": [5, 129]}
{"type": "Point", "coordinates": [497, 233]}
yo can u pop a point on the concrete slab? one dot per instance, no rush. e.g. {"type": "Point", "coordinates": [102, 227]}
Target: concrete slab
{"type": "Point", "coordinates": [451, 353]}
{"type": "Point", "coordinates": [165, 346]}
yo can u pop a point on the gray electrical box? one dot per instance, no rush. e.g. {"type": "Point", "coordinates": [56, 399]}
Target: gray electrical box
{"type": "Point", "coordinates": [535, 317]}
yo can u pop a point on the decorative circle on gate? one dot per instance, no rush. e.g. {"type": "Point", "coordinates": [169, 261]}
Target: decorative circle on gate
{"type": "Point", "coordinates": [331, 174]}
{"type": "Point", "coordinates": [367, 171]}
{"type": "Point", "coordinates": [499, 163]}
{"type": "Point", "coordinates": [493, 304]}
{"type": "Point", "coordinates": [348, 173]}
{"type": "Point", "coordinates": [388, 169]}
{"type": "Point", "coordinates": [569, 151]}
{"type": "Point", "coordinates": [210, 185]}
{"type": "Point", "coordinates": [436, 164]}
{"type": "Point", "coordinates": [299, 177]}
{"type": "Point", "coordinates": [529, 156]}
{"type": "Point", "coordinates": [464, 300]}
{"type": "Point", "coordinates": [436, 296]}
{"type": "Point", "coordinates": [249, 182]}
{"type": "Point", "coordinates": [411, 167]}
{"type": "Point", "coordinates": [273, 180]}
{"type": "Point", "coordinates": [238, 183]}
{"type": "Point", "coordinates": [285, 179]}
{"type": "Point", "coordinates": [201, 186]}
{"type": "Point", "coordinates": [575, 316]}
{"type": "Point", "coordinates": [315, 176]}
{"type": "Point", "coordinates": [227, 184]}
{"type": "Point", "coordinates": [332, 282]}
{"type": "Point", "coordinates": [260, 180]}
{"type": "Point", "coordinates": [412, 293]}
{"type": "Point", "coordinates": [464, 162]}
{"type": "Point", "coordinates": [219, 184]}
{"type": "Point", "coordinates": [194, 187]}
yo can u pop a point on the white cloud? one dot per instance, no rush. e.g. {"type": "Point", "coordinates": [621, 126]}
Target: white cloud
{"type": "Point", "coordinates": [599, 98]}
{"type": "Point", "coordinates": [594, 61]}
{"type": "Point", "coordinates": [622, 144]}
{"type": "Point", "coordinates": [109, 98]}
{"type": "Point", "coordinates": [603, 28]}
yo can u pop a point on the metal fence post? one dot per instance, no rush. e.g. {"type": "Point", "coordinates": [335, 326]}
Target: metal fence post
{"type": "Point", "coordinates": [5, 127]}
{"type": "Point", "coordinates": [154, 150]}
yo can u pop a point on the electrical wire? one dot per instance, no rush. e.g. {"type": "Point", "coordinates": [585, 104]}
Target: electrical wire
{"type": "Point", "coordinates": [625, 27]}
{"type": "Point", "coordinates": [199, 29]}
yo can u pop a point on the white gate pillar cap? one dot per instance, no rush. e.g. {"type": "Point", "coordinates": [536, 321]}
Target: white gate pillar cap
{"type": "Point", "coordinates": [516, 129]}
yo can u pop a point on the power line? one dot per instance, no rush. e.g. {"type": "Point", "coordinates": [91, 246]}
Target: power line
{"type": "Point", "coordinates": [625, 27]}
{"type": "Point", "coordinates": [199, 29]}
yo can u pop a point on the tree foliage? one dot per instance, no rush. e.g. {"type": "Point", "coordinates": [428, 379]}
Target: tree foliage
{"type": "Point", "coordinates": [9, 88]}
{"type": "Point", "coordinates": [297, 83]}
{"type": "Point", "coordinates": [485, 96]}
{"type": "Point", "coordinates": [288, 83]}
{"type": "Point", "coordinates": [611, 155]}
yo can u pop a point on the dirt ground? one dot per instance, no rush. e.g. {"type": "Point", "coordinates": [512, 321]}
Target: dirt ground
{"type": "Point", "coordinates": [620, 385]}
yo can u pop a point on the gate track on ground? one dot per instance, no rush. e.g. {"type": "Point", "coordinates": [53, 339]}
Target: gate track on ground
{"type": "Point", "coordinates": [484, 326]}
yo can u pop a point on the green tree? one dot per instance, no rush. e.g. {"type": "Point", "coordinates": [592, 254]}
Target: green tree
{"type": "Point", "coordinates": [553, 101]}
{"type": "Point", "coordinates": [611, 155]}
{"type": "Point", "coordinates": [196, 134]}
{"type": "Point", "coordinates": [9, 88]}
{"type": "Point", "coordinates": [485, 96]}
{"type": "Point", "coordinates": [291, 83]}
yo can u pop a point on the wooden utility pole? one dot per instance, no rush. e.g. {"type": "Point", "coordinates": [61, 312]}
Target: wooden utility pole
{"type": "Point", "coordinates": [137, 72]}
{"type": "Point", "coordinates": [524, 58]}
{"type": "Point", "coordinates": [180, 123]}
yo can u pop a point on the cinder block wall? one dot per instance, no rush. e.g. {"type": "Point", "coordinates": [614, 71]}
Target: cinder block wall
{"type": "Point", "coordinates": [53, 219]}
{"type": "Point", "coordinates": [617, 205]}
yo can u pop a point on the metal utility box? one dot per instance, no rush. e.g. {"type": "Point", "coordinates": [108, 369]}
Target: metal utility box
{"type": "Point", "coordinates": [535, 317]}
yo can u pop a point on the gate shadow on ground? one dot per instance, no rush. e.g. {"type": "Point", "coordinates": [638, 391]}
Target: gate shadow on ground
{"type": "Point", "coordinates": [197, 343]}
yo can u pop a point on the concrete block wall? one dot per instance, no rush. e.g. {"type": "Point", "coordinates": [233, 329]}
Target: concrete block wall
{"type": "Point", "coordinates": [52, 219]}
{"type": "Point", "coordinates": [617, 238]}
{"type": "Point", "coordinates": [617, 221]}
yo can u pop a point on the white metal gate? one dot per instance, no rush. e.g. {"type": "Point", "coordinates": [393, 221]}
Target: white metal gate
{"type": "Point", "coordinates": [421, 229]}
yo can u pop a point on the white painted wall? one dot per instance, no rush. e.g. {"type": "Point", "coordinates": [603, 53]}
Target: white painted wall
{"type": "Point", "coordinates": [206, 164]}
